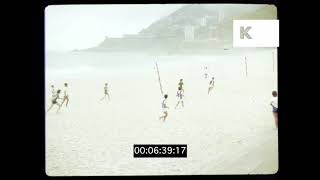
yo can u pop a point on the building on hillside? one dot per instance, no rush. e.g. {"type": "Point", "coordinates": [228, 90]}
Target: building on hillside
{"type": "Point", "coordinates": [189, 33]}
{"type": "Point", "coordinates": [220, 16]}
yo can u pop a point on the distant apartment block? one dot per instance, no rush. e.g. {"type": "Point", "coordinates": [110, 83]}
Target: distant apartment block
{"type": "Point", "coordinates": [220, 17]}
{"type": "Point", "coordinates": [189, 33]}
{"type": "Point", "coordinates": [203, 21]}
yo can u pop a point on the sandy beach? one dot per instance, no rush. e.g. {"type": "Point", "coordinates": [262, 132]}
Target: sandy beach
{"type": "Point", "coordinates": [230, 131]}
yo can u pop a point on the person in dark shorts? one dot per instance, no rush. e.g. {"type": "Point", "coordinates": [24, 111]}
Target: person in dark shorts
{"type": "Point", "coordinates": [164, 108]}
{"type": "Point", "coordinates": [105, 92]}
{"type": "Point", "coordinates": [211, 84]}
{"type": "Point", "coordinates": [205, 72]}
{"type": "Point", "coordinates": [180, 84]}
{"type": "Point", "coordinates": [274, 104]}
{"type": "Point", "coordinates": [180, 97]}
{"type": "Point", "coordinates": [54, 101]}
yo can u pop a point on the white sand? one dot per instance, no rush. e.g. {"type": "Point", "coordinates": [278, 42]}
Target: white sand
{"type": "Point", "coordinates": [230, 131]}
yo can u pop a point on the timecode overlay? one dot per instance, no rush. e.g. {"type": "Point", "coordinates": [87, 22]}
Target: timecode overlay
{"type": "Point", "coordinates": [159, 150]}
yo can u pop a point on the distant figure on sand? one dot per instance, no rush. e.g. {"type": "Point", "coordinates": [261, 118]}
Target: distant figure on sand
{"type": "Point", "coordinates": [274, 104]}
{"type": "Point", "coordinates": [211, 84]}
{"type": "Point", "coordinates": [164, 108]}
{"type": "Point", "coordinates": [65, 95]}
{"type": "Point", "coordinates": [180, 84]}
{"type": "Point", "coordinates": [53, 92]}
{"type": "Point", "coordinates": [205, 72]}
{"type": "Point", "coordinates": [180, 97]}
{"type": "Point", "coordinates": [54, 101]}
{"type": "Point", "coordinates": [105, 92]}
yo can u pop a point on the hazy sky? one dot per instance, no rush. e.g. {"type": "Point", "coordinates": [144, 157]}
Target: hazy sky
{"type": "Point", "coordinates": [69, 27]}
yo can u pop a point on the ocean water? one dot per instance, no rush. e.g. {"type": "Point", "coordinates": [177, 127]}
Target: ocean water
{"type": "Point", "coordinates": [87, 64]}
{"type": "Point", "coordinates": [94, 64]}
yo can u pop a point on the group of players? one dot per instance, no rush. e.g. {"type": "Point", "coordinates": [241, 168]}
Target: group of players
{"type": "Point", "coordinates": [165, 107]}
{"type": "Point", "coordinates": [180, 95]}
{"type": "Point", "coordinates": [56, 96]}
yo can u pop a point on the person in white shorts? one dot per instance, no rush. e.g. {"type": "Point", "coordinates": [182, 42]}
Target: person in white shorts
{"type": "Point", "coordinates": [180, 97]}
{"type": "Point", "coordinates": [65, 95]}
{"type": "Point", "coordinates": [164, 108]}
{"type": "Point", "coordinates": [53, 92]}
{"type": "Point", "coordinates": [274, 104]}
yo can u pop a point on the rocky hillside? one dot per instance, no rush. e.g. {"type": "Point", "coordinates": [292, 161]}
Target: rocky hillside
{"type": "Point", "coordinates": [168, 33]}
{"type": "Point", "coordinates": [225, 28]}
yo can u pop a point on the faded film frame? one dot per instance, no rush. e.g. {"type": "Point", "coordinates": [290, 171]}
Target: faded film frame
{"type": "Point", "coordinates": [41, 150]}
